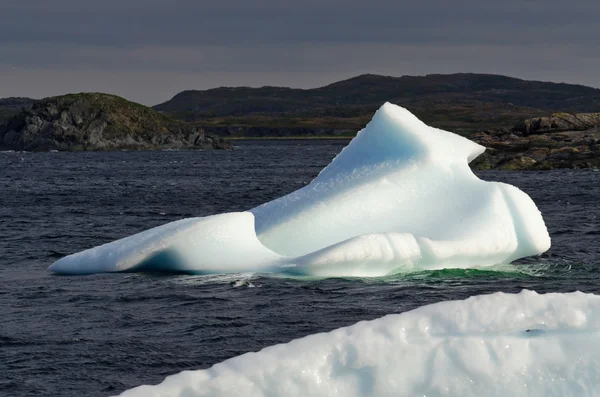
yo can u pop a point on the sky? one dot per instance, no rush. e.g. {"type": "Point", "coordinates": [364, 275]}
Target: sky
{"type": "Point", "coordinates": [149, 50]}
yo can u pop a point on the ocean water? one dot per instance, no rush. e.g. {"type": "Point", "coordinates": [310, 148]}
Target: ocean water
{"type": "Point", "coordinates": [99, 335]}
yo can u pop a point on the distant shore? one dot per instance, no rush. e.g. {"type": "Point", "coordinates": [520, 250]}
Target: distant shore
{"type": "Point", "coordinates": [287, 138]}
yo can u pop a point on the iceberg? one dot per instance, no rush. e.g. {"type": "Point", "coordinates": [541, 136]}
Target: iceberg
{"type": "Point", "coordinates": [400, 196]}
{"type": "Point", "coordinates": [523, 344]}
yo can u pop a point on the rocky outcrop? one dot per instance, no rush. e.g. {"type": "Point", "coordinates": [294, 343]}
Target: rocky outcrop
{"type": "Point", "coordinates": [545, 143]}
{"type": "Point", "coordinates": [559, 122]}
{"type": "Point", "coordinates": [94, 121]}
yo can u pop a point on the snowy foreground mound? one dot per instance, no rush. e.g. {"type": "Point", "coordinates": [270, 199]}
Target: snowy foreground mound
{"type": "Point", "coordinates": [401, 195]}
{"type": "Point", "coordinates": [492, 345]}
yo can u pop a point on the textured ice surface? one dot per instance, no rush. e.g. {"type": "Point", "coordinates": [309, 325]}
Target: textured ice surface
{"type": "Point", "coordinates": [492, 345]}
{"type": "Point", "coordinates": [400, 195]}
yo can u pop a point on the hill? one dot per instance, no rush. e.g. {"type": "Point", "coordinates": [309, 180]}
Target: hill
{"type": "Point", "coordinates": [93, 121]}
{"type": "Point", "coordinates": [464, 103]}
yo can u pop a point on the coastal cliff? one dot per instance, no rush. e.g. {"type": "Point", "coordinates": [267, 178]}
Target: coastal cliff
{"type": "Point", "coordinates": [94, 121]}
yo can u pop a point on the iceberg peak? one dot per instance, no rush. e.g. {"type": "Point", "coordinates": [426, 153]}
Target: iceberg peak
{"type": "Point", "coordinates": [398, 175]}
{"type": "Point", "coordinates": [395, 135]}
{"type": "Point", "coordinates": [406, 129]}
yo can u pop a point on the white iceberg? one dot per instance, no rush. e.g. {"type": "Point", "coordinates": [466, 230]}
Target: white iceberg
{"type": "Point", "coordinates": [492, 345]}
{"type": "Point", "coordinates": [401, 195]}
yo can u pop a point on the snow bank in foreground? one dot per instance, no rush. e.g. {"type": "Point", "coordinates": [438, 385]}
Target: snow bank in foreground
{"type": "Point", "coordinates": [493, 345]}
{"type": "Point", "coordinates": [401, 195]}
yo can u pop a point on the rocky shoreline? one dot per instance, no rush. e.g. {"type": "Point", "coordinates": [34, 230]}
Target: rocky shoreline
{"type": "Point", "coordinates": [562, 140]}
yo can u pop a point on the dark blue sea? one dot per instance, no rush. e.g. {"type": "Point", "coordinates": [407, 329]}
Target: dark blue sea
{"type": "Point", "coordinates": [99, 335]}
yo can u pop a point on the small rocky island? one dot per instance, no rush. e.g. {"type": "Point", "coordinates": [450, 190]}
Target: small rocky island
{"type": "Point", "coordinates": [562, 140]}
{"type": "Point", "coordinates": [94, 121]}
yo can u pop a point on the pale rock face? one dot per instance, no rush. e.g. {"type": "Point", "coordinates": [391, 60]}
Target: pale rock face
{"type": "Point", "coordinates": [399, 196]}
{"type": "Point", "coordinates": [493, 345]}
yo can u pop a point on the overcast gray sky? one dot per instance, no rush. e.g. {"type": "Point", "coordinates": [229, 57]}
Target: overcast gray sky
{"type": "Point", "coordinates": [148, 50]}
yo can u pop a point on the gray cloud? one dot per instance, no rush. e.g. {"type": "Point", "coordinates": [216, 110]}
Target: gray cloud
{"type": "Point", "coordinates": [131, 23]}
{"type": "Point", "coordinates": [148, 50]}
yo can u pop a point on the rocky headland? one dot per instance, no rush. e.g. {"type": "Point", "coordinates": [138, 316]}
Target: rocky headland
{"type": "Point", "coordinates": [94, 121]}
{"type": "Point", "coordinates": [562, 140]}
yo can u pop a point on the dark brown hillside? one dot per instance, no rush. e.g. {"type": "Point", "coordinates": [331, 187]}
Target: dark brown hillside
{"type": "Point", "coordinates": [462, 102]}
